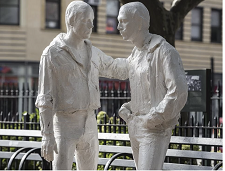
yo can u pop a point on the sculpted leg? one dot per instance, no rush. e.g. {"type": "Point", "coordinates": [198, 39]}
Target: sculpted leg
{"type": "Point", "coordinates": [87, 148]}
{"type": "Point", "coordinates": [64, 159]}
{"type": "Point", "coordinates": [152, 153]}
{"type": "Point", "coordinates": [87, 154]}
{"type": "Point", "coordinates": [135, 150]}
{"type": "Point", "coordinates": [68, 129]}
{"type": "Point", "coordinates": [132, 128]}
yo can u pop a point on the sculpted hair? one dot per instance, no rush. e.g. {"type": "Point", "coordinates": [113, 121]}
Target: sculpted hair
{"type": "Point", "coordinates": [74, 11]}
{"type": "Point", "coordinates": [137, 8]}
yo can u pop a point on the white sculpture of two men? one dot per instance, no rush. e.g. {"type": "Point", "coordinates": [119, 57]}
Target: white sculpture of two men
{"type": "Point", "coordinates": [68, 90]}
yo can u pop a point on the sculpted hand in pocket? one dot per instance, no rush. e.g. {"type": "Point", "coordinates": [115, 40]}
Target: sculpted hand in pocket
{"type": "Point", "coordinates": [152, 120]}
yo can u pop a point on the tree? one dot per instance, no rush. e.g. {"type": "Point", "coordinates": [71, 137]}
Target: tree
{"type": "Point", "coordinates": [164, 22]}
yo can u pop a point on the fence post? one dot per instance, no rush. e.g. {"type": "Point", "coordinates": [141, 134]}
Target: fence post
{"type": "Point", "coordinates": [25, 126]}
{"type": "Point", "coordinates": [1, 117]}
{"type": "Point", "coordinates": [208, 148]}
{"type": "Point", "coordinates": [105, 121]}
{"type": "Point", "coordinates": [221, 130]}
{"type": "Point", "coordinates": [8, 120]}
{"type": "Point", "coordinates": [219, 100]}
{"type": "Point", "coordinates": [192, 135]}
{"type": "Point", "coordinates": [197, 130]}
{"type": "Point", "coordinates": [215, 136]}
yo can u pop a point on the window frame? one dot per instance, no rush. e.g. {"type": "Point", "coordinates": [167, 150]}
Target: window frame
{"type": "Point", "coordinates": [95, 21]}
{"type": "Point", "coordinates": [117, 31]}
{"type": "Point", "coordinates": [200, 25]}
{"type": "Point", "coordinates": [18, 19]}
{"type": "Point", "coordinates": [219, 28]}
{"type": "Point", "coordinates": [59, 13]}
{"type": "Point", "coordinates": [181, 32]}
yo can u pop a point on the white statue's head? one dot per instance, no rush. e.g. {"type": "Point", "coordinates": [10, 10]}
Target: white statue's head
{"type": "Point", "coordinates": [79, 18]}
{"type": "Point", "coordinates": [133, 17]}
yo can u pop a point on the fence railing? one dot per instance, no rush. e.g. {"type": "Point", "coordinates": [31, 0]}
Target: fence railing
{"type": "Point", "coordinates": [19, 99]}
{"type": "Point", "coordinates": [17, 111]}
{"type": "Point", "coordinates": [115, 124]}
{"type": "Point", "coordinates": [18, 103]}
{"type": "Point", "coordinates": [15, 99]}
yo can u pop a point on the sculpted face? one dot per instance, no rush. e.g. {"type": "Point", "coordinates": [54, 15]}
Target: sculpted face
{"type": "Point", "coordinates": [83, 24]}
{"type": "Point", "coordinates": [127, 25]}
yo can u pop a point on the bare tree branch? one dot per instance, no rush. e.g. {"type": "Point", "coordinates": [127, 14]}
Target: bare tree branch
{"type": "Point", "coordinates": [180, 8]}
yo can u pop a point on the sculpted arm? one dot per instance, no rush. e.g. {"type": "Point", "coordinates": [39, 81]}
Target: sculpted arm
{"type": "Point", "coordinates": [176, 85]}
{"type": "Point", "coordinates": [118, 69]}
{"type": "Point", "coordinates": [113, 68]}
{"type": "Point", "coordinates": [45, 102]}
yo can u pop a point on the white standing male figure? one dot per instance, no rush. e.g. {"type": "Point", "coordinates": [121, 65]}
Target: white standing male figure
{"type": "Point", "coordinates": [68, 92]}
{"type": "Point", "coordinates": [158, 88]}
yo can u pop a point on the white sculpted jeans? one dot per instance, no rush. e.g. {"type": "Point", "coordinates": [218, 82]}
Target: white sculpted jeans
{"type": "Point", "coordinates": [149, 146]}
{"type": "Point", "coordinates": [76, 134]}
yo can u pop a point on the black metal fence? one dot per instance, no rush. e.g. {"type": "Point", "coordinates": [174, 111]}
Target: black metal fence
{"type": "Point", "coordinates": [17, 111]}
{"type": "Point", "coordinates": [115, 124]}
{"type": "Point", "coordinates": [15, 99]}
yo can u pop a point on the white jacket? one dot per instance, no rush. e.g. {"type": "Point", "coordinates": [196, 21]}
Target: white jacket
{"type": "Point", "coordinates": [157, 80]}
{"type": "Point", "coordinates": [62, 84]}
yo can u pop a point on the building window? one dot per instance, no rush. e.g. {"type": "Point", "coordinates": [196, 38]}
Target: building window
{"type": "Point", "coordinates": [9, 12]}
{"type": "Point", "coordinates": [52, 14]}
{"type": "Point", "coordinates": [179, 33]}
{"type": "Point", "coordinates": [112, 10]}
{"type": "Point", "coordinates": [94, 5]}
{"type": "Point", "coordinates": [196, 24]}
{"type": "Point", "coordinates": [216, 18]}
{"type": "Point", "coordinates": [95, 9]}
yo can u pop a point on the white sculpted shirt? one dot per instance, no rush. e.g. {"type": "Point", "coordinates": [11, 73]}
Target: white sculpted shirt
{"type": "Point", "coordinates": [64, 86]}
{"type": "Point", "coordinates": [157, 81]}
